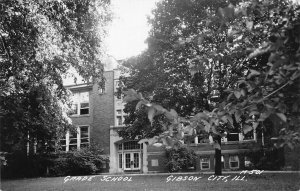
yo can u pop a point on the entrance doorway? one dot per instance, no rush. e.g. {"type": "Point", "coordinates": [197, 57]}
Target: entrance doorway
{"type": "Point", "coordinates": [130, 156]}
{"type": "Point", "coordinates": [132, 161]}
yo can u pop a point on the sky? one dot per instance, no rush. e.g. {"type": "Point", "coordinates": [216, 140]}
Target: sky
{"type": "Point", "coordinates": [127, 33]}
{"type": "Point", "coordinates": [129, 28]}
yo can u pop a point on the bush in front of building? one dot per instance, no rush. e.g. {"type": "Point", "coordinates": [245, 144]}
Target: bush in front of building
{"type": "Point", "coordinates": [267, 159]}
{"type": "Point", "coordinates": [19, 165]}
{"type": "Point", "coordinates": [180, 158]}
{"type": "Point", "coordinates": [83, 162]}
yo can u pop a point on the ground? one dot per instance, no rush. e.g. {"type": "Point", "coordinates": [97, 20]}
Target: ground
{"type": "Point", "coordinates": [165, 182]}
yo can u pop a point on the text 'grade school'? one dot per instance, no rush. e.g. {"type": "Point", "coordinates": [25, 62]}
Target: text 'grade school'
{"type": "Point", "coordinates": [102, 179]}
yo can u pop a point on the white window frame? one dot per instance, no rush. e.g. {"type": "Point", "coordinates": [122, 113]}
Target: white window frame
{"type": "Point", "coordinates": [201, 162]}
{"type": "Point", "coordinates": [84, 108]}
{"type": "Point", "coordinates": [230, 161]}
{"type": "Point", "coordinates": [121, 115]}
{"type": "Point", "coordinates": [116, 86]}
{"type": "Point", "coordinates": [78, 138]}
{"type": "Point", "coordinates": [78, 105]}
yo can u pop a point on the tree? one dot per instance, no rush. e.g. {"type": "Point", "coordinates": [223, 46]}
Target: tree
{"type": "Point", "coordinates": [253, 39]}
{"type": "Point", "coordinates": [40, 42]}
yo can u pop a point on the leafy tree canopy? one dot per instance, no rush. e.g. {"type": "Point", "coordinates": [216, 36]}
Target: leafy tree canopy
{"type": "Point", "coordinates": [229, 64]}
{"type": "Point", "coordinates": [40, 41]}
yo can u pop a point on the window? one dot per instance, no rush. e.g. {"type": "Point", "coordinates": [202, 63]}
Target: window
{"type": "Point", "coordinates": [73, 141]}
{"type": "Point", "coordinates": [84, 108]}
{"type": "Point", "coordinates": [80, 104]}
{"type": "Point", "coordinates": [250, 135]}
{"type": "Point", "coordinates": [233, 137]}
{"type": "Point", "coordinates": [204, 163]}
{"type": "Point", "coordinates": [234, 162]}
{"type": "Point", "coordinates": [76, 140]}
{"type": "Point", "coordinates": [120, 146]}
{"type": "Point", "coordinates": [117, 86]}
{"type": "Point", "coordinates": [120, 116]}
{"type": "Point", "coordinates": [131, 145]}
{"type": "Point", "coordinates": [84, 136]}
{"type": "Point", "coordinates": [63, 143]}
{"type": "Point", "coordinates": [119, 120]}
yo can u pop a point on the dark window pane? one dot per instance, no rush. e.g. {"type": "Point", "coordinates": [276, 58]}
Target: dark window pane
{"type": "Point", "coordinates": [73, 141]}
{"type": "Point", "coordinates": [84, 111]}
{"type": "Point", "coordinates": [62, 142]}
{"type": "Point", "coordinates": [233, 137]}
{"type": "Point", "coordinates": [84, 105]}
{"type": "Point", "coordinates": [84, 132]}
{"type": "Point", "coordinates": [249, 136]}
{"type": "Point", "coordinates": [119, 119]}
{"type": "Point", "coordinates": [85, 140]}
{"type": "Point", "coordinates": [205, 165]}
{"type": "Point", "coordinates": [73, 135]}
{"type": "Point", "coordinates": [234, 164]}
{"type": "Point", "coordinates": [127, 160]}
{"type": "Point", "coordinates": [131, 145]}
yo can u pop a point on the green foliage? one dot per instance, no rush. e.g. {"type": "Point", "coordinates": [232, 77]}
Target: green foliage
{"type": "Point", "coordinates": [20, 166]}
{"type": "Point", "coordinates": [180, 158]}
{"type": "Point", "coordinates": [242, 61]}
{"type": "Point", "coordinates": [230, 65]}
{"type": "Point", "coordinates": [268, 159]}
{"type": "Point", "coordinates": [40, 42]}
{"type": "Point", "coordinates": [83, 162]}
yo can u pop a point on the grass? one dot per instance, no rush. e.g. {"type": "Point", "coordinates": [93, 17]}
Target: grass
{"type": "Point", "coordinates": [267, 182]}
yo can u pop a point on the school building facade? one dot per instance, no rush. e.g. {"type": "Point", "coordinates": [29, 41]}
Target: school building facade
{"type": "Point", "coordinates": [98, 114]}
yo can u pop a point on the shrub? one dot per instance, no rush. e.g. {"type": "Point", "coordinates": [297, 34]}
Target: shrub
{"type": "Point", "coordinates": [267, 159]}
{"type": "Point", "coordinates": [20, 166]}
{"type": "Point", "coordinates": [84, 162]}
{"type": "Point", "coordinates": [180, 158]}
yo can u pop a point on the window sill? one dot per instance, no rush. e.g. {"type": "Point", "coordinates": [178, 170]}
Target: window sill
{"type": "Point", "coordinates": [225, 143]}
{"type": "Point", "coordinates": [205, 169]}
{"type": "Point", "coordinates": [86, 115]}
{"type": "Point", "coordinates": [238, 142]}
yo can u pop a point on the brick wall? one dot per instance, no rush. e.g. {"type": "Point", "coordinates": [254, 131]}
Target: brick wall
{"type": "Point", "coordinates": [103, 113]}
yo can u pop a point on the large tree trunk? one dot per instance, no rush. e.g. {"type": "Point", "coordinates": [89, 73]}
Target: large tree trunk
{"type": "Point", "coordinates": [218, 163]}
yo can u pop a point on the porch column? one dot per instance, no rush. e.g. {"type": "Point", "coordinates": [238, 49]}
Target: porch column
{"type": "Point", "coordinates": [113, 162]}
{"type": "Point", "coordinates": [145, 161]}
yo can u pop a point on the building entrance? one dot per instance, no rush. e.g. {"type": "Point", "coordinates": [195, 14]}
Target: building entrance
{"type": "Point", "coordinates": [132, 161]}
{"type": "Point", "coordinates": [129, 156]}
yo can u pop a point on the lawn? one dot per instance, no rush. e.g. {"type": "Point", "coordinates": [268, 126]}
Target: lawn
{"type": "Point", "coordinates": [201, 182]}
